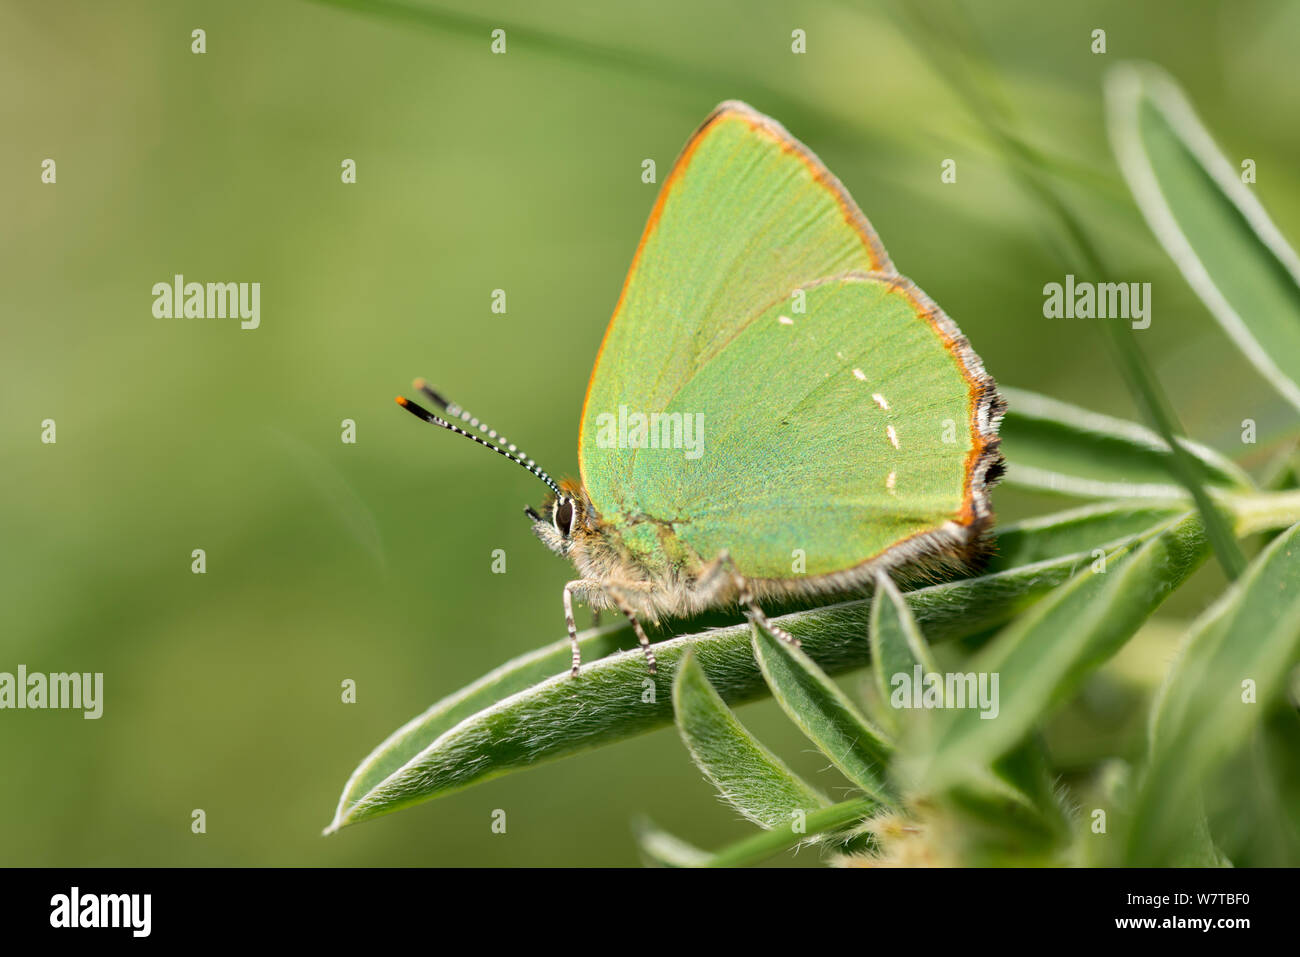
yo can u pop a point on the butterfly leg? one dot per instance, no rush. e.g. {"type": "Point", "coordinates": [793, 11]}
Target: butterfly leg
{"type": "Point", "coordinates": [578, 584]}
{"type": "Point", "coordinates": [617, 596]}
{"type": "Point", "coordinates": [722, 570]}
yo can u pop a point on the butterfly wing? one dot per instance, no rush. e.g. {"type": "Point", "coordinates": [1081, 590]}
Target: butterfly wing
{"type": "Point", "coordinates": [798, 451]}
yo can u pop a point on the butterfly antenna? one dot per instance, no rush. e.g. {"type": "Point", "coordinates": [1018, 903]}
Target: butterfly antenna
{"type": "Point", "coordinates": [509, 450]}
{"type": "Point", "coordinates": [454, 411]}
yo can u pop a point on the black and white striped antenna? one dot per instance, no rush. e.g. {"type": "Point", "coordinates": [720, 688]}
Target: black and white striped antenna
{"type": "Point", "coordinates": [503, 445]}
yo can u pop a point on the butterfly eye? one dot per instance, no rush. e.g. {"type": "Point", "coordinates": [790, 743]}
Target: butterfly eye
{"type": "Point", "coordinates": [564, 517]}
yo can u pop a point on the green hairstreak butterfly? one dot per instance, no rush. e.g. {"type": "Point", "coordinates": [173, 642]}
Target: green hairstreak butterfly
{"type": "Point", "coordinates": [774, 411]}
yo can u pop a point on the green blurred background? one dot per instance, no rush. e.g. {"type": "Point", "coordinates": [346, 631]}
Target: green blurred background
{"type": "Point", "coordinates": [372, 561]}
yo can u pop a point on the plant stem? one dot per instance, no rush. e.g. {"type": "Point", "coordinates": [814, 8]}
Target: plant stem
{"type": "Point", "coordinates": [1263, 511]}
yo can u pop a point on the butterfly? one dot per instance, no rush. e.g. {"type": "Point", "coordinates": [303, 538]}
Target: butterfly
{"type": "Point", "coordinates": [774, 411]}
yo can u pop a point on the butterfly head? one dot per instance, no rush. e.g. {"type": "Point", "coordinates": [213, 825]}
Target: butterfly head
{"type": "Point", "coordinates": [565, 518]}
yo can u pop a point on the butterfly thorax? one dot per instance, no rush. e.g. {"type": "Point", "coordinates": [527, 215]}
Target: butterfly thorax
{"type": "Point", "coordinates": [635, 558]}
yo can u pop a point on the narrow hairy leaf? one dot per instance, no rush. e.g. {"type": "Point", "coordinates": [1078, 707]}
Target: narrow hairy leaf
{"type": "Point", "coordinates": [748, 776]}
{"type": "Point", "coordinates": [766, 844]}
{"type": "Point", "coordinates": [1010, 815]}
{"type": "Point", "coordinates": [1059, 447]}
{"type": "Point", "coordinates": [1233, 666]}
{"type": "Point", "coordinates": [1014, 800]}
{"type": "Point", "coordinates": [1209, 221]}
{"type": "Point", "coordinates": [1042, 656]}
{"type": "Point", "coordinates": [417, 734]}
{"type": "Point", "coordinates": [1080, 530]}
{"type": "Point", "coordinates": [897, 646]}
{"type": "Point", "coordinates": [1015, 797]}
{"type": "Point", "coordinates": [823, 713]}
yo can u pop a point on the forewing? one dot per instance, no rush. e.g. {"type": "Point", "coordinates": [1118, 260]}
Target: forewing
{"type": "Point", "coordinates": [746, 216]}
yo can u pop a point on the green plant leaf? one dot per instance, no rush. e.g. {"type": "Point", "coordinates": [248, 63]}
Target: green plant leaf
{"type": "Point", "coordinates": [529, 711]}
{"type": "Point", "coordinates": [823, 713]}
{"type": "Point", "coordinates": [1042, 656]}
{"type": "Point", "coordinates": [897, 645]}
{"type": "Point", "coordinates": [1080, 530]}
{"type": "Point", "coordinates": [1010, 815]}
{"type": "Point", "coordinates": [408, 741]}
{"type": "Point", "coordinates": [1200, 717]}
{"type": "Point", "coordinates": [748, 776]}
{"type": "Point", "coordinates": [1270, 830]}
{"type": "Point", "coordinates": [1014, 801]}
{"type": "Point", "coordinates": [661, 849]}
{"type": "Point", "coordinates": [1208, 220]}
{"type": "Point", "coordinates": [765, 844]}
{"type": "Point", "coordinates": [1062, 448]}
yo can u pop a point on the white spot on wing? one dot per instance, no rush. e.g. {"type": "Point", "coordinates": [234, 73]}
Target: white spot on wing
{"type": "Point", "coordinates": [859, 375]}
{"type": "Point", "coordinates": [890, 481]}
{"type": "Point", "coordinates": [785, 320]}
{"type": "Point", "coordinates": [893, 436]}
{"type": "Point", "coordinates": [880, 400]}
